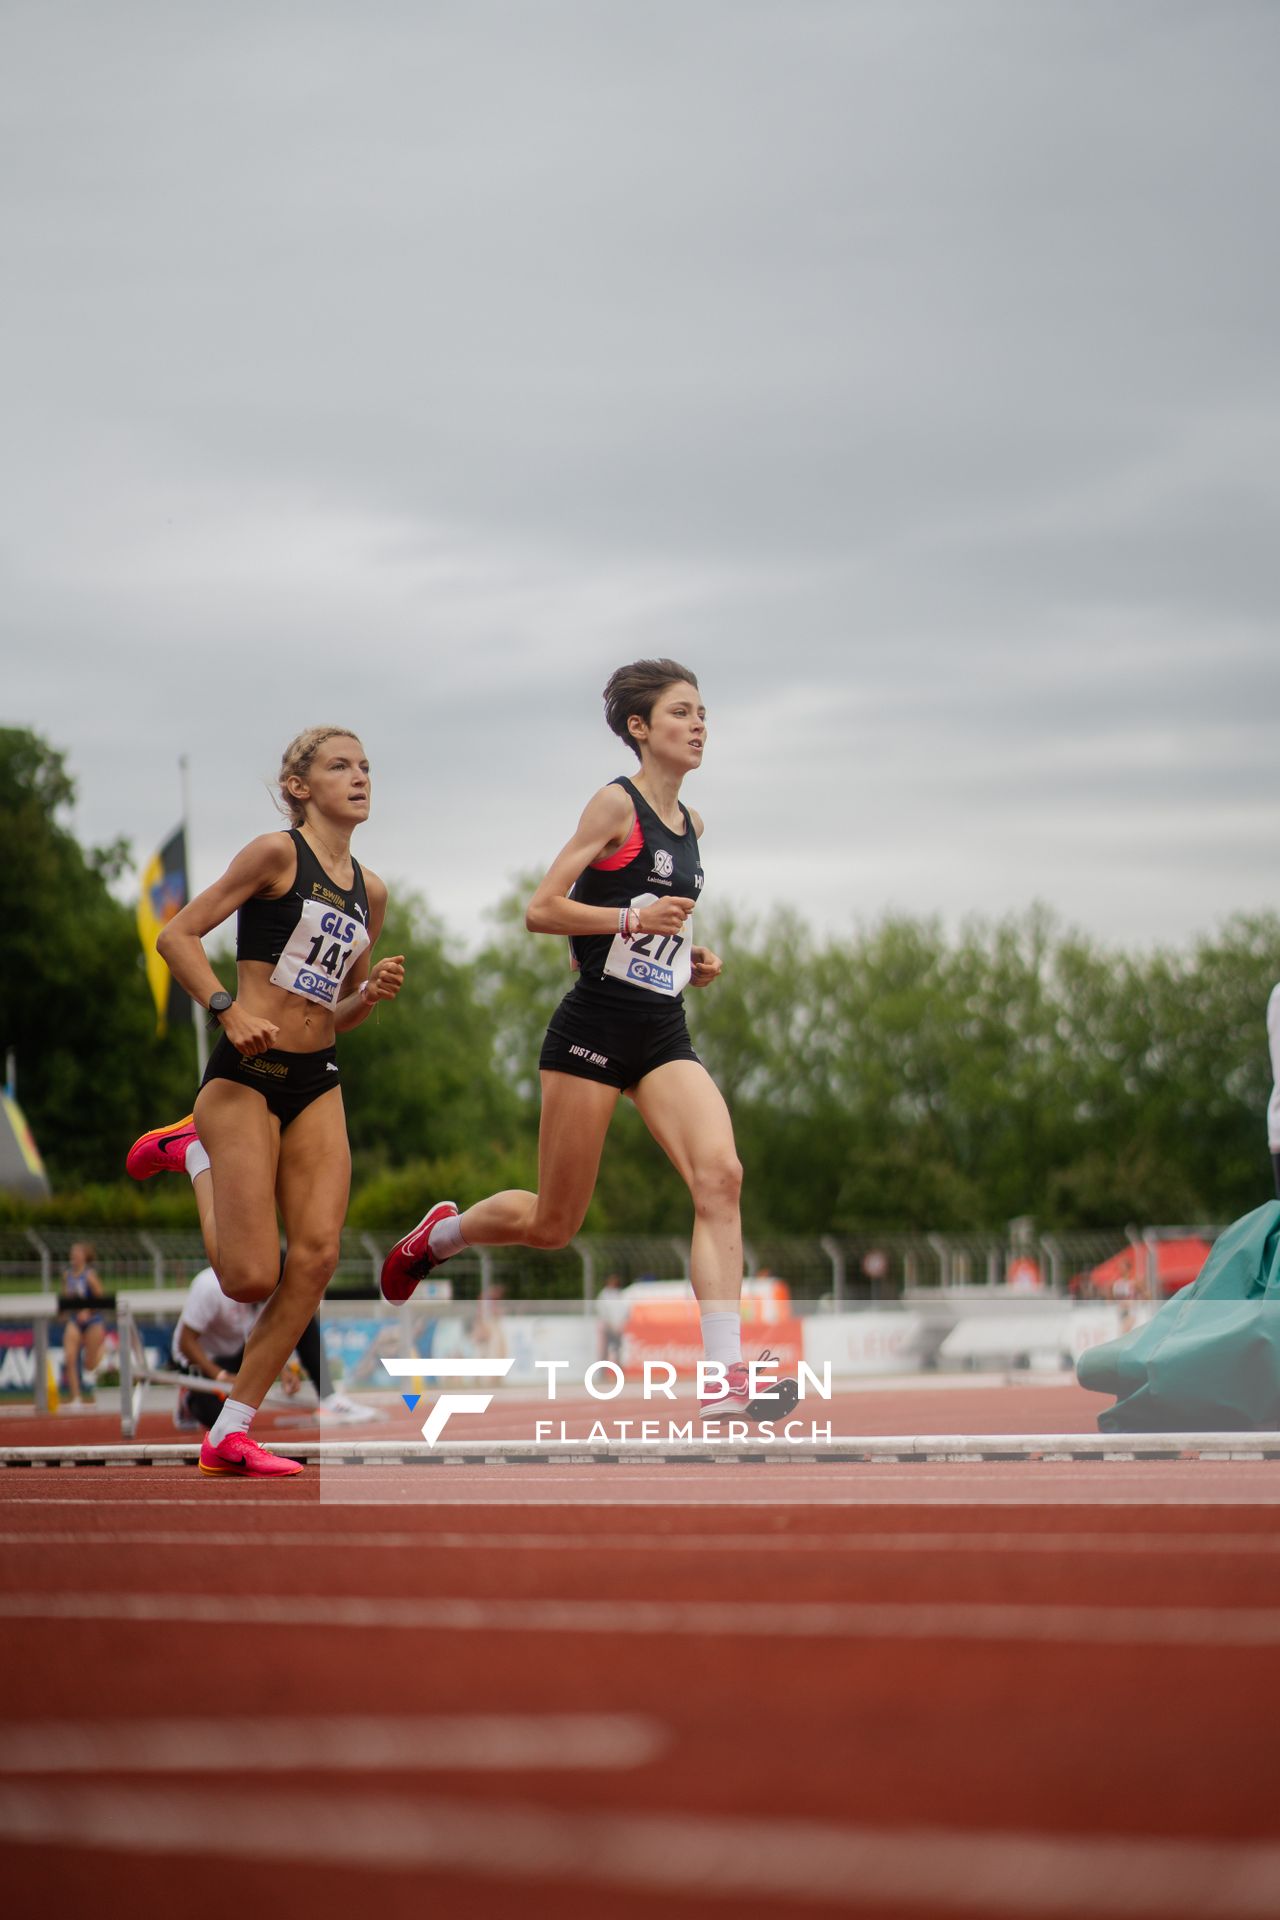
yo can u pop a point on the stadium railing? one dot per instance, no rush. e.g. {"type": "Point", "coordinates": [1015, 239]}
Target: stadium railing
{"type": "Point", "coordinates": [828, 1268]}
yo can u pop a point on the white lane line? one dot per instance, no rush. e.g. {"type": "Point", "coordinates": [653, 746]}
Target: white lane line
{"type": "Point", "coordinates": [354, 1743]}
{"type": "Point", "coordinates": [804, 1620]}
{"type": "Point", "coordinates": [794, 1862]}
{"type": "Point", "coordinates": [816, 1448]}
{"type": "Point", "coordinates": [1212, 1490]}
{"type": "Point", "coordinates": [1170, 1545]}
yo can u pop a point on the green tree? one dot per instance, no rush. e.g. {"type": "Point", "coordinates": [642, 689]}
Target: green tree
{"type": "Point", "coordinates": [892, 1046]}
{"type": "Point", "coordinates": [904, 1079]}
{"type": "Point", "coordinates": [761, 1030]}
{"type": "Point", "coordinates": [74, 1002]}
{"type": "Point", "coordinates": [896, 1078]}
{"type": "Point", "coordinates": [422, 1076]}
{"type": "Point", "coordinates": [520, 979]}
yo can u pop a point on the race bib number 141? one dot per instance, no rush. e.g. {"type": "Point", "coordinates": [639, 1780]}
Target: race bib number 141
{"type": "Point", "coordinates": [322, 947]}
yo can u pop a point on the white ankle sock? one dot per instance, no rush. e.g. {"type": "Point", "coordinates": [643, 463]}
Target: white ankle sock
{"type": "Point", "coordinates": [235, 1417]}
{"type": "Point", "coordinates": [195, 1159]}
{"type": "Point", "coordinates": [446, 1238]}
{"type": "Point", "coordinates": [722, 1335]}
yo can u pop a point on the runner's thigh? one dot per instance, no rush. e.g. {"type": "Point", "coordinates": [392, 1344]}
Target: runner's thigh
{"type": "Point", "coordinates": [687, 1115]}
{"type": "Point", "coordinates": [313, 1183]}
{"type": "Point", "coordinates": [242, 1138]}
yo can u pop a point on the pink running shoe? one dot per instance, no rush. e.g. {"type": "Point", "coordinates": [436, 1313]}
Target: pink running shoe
{"type": "Point", "coordinates": [734, 1398]}
{"type": "Point", "coordinates": [410, 1259]}
{"type": "Point", "coordinates": [239, 1454]}
{"type": "Point", "coordinates": [163, 1150]}
{"type": "Point", "coordinates": [774, 1401]}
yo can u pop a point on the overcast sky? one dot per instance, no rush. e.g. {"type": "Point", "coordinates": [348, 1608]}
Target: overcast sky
{"type": "Point", "coordinates": [910, 370]}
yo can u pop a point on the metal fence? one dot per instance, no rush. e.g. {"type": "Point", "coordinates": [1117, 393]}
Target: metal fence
{"type": "Point", "coordinates": [825, 1268]}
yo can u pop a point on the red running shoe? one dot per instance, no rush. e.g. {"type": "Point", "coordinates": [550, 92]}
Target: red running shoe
{"type": "Point", "coordinates": [774, 1402]}
{"type": "Point", "coordinates": [163, 1150]}
{"type": "Point", "coordinates": [410, 1259]}
{"type": "Point", "coordinates": [733, 1397]}
{"type": "Point", "coordinates": [239, 1454]}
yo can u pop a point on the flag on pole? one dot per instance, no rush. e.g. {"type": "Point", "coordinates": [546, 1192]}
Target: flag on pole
{"type": "Point", "coordinates": [21, 1168]}
{"type": "Point", "coordinates": [164, 891]}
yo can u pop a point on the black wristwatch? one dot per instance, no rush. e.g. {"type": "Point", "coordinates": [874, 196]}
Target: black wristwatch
{"type": "Point", "coordinates": [219, 1002]}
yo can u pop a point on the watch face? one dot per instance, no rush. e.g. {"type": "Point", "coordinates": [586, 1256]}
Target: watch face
{"type": "Point", "coordinates": [219, 1002]}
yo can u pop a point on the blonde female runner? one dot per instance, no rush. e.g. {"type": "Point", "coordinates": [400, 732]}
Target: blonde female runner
{"type": "Point", "coordinates": [269, 1128]}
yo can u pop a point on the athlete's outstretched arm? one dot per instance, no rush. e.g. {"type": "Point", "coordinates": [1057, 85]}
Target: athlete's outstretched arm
{"type": "Point", "coordinates": [265, 864]}
{"type": "Point", "coordinates": [605, 823]}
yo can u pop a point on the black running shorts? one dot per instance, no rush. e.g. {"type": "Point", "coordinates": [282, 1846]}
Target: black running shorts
{"type": "Point", "coordinates": [599, 1040]}
{"type": "Point", "coordinates": [288, 1082]}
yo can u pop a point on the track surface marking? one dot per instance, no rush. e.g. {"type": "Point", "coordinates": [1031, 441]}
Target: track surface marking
{"type": "Point", "coordinates": [990, 1689]}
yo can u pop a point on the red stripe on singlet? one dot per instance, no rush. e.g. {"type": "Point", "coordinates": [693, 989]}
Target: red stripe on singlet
{"type": "Point", "coordinates": [610, 862]}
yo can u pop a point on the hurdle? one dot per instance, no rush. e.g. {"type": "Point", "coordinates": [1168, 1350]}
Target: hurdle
{"type": "Point", "coordinates": [136, 1371]}
{"type": "Point", "coordinates": [35, 1310]}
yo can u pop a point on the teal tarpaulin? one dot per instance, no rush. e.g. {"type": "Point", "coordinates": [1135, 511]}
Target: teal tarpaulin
{"type": "Point", "coordinates": [1209, 1360]}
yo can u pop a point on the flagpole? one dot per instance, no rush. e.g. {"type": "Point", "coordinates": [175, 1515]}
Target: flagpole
{"type": "Point", "coordinates": [197, 1011]}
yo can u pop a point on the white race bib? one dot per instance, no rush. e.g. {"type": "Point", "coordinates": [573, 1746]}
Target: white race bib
{"type": "Point", "coordinates": [658, 962]}
{"type": "Point", "coordinates": [324, 944]}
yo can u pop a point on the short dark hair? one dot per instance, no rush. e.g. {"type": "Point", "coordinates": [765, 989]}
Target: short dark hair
{"type": "Point", "coordinates": [634, 689]}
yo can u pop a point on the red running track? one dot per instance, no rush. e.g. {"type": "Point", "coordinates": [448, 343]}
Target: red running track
{"type": "Point", "coordinates": [996, 1690]}
{"type": "Point", "coordinates": [960, 1404]}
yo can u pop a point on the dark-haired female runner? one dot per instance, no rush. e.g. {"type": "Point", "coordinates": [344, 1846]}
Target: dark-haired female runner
{"type": "Point", "coordinates": [624, 889]}
{"type": "Point", "coordinates": [269, 1115]}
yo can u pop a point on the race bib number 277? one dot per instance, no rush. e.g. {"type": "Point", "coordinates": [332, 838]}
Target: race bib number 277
{"type": "Point", "coordinates": [658, 962]}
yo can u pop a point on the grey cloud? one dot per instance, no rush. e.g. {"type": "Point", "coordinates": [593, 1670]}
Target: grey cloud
{"type": "Point", "coordinates": [909, 368]}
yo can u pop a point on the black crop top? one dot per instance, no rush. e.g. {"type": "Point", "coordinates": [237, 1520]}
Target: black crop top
{"type": "Point", "coordinates": [311, 935]}
{"type": "Point", "coordinates": [651, 863]}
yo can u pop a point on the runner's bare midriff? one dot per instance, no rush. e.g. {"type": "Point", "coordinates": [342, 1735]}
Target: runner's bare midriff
{"type": "Point", "coordinates": [304, 1027]}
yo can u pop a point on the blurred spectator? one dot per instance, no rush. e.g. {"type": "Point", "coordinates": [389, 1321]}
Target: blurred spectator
{"type": "Point", "coordinates": [875, 1268]}
{"type": "Point", "coordinates": [1023, 1275]}
{"type": "Point", "coordinates": [611, 1311]}
{"type": "Point", "coordinates": [485, 1330]}
{"type": "Point", "coordinates": [208, 1343]}
{"type": "Point", "coordinates": [85, 1334]}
